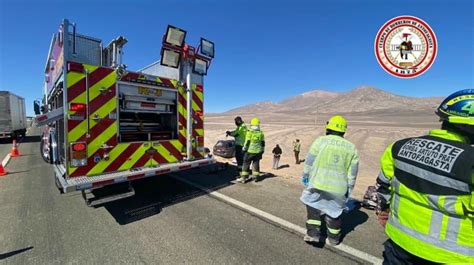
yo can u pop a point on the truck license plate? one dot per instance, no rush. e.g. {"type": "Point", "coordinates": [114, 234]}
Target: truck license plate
{"type": "Point", "coordinates": [150, 91]}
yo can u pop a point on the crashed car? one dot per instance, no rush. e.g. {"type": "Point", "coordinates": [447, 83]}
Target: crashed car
{"type": "Point", "coordinates": [224, 148]}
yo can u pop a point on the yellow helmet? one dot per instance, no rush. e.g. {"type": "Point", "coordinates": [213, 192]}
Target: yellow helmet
{"type": "Point", "coordinates": [255, 122]}
{"type": "Point", "coordinates": [337, 123]}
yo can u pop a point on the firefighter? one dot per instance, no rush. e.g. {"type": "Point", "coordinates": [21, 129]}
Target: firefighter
{"type": "Point", "coordinates": [254, 146]}
{"type": "Point", "coordinates": [239, 135]}
{"type": "Point", "coordinates": [296, 150]}
{"type": "Point", "coordinates": [329, 175]}
{"type": "Point", "coordinates": [426, 190]}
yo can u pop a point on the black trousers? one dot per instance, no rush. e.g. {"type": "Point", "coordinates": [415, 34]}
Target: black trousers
{"type": "Point", "coordinates": [253, 159]}
{"type": "Point", "coordinates": [394, 254]}
{"type": "Point", "coordinates": [297, 157]}
{"type": "Point", "coordinates": [314, 222]}
{"type": "Point", "coordinates": [239, 156]}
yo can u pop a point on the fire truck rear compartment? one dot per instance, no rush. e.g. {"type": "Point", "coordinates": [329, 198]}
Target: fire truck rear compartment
{"type": "Point", "coordinates": [147, 114]}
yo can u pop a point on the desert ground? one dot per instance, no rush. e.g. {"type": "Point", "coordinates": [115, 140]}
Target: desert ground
{"type": "Point", "coordinates": [370, 132]}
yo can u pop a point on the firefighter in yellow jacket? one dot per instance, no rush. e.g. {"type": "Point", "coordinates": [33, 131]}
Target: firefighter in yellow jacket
{"type": "Point", "coordinates": [329, 176]}
{"type": "Point", "coordinates": [426, 190]}
{"type": "Point", "coordinates": [254, 146]}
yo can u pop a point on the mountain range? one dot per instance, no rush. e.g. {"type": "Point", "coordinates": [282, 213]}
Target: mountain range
{"type": "Point", "coordinates": [359, 100]}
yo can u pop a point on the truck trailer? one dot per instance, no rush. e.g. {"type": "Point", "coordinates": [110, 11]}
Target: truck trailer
{"type": "Point", "coordinates": [103, 124]}
{"type": "Point", "coordinates": [12, 115]}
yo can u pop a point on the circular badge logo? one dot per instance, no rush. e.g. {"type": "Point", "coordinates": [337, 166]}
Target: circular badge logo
{"type": "Point", "coordinates": [405, 46]}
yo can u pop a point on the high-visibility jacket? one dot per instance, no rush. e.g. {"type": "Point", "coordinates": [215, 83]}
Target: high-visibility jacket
{"type": "Point", "coordinates": [239, 134]}
{"type": "Point", "coordinates": [254, 142]}
{"type": "Point", "coordinates": [296, 147]}
{"type": "Point", "coordinates": [429, 184]}
{"type": "Point", "coordinates": [331, 166]}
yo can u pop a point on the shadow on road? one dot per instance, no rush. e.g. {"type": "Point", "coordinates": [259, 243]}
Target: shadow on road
{"type": "Point", "coordinates": [17, 172]}
{"type": "Point", "coordinates": [13, 253]}
{"type": "Point", "coordinates": [350, 220]}
{"type": "Point", "coordinates": [26, 139]}
{"type": "Point", "coordinates": [264, 176]}
{"type": "Point", "coordinates": [154, 194]}
{"type": "Point", "coordinates": [31, 139]}
{"type": "Point", "coordinates": [283, 166]}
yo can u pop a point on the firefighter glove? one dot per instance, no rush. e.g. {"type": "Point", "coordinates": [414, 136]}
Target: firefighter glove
{"type": "Point", "coordinates": [305, 180]}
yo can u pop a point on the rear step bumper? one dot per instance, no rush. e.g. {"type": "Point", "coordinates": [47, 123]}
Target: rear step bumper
{"type": "Point", "coordinates": [93, 182]}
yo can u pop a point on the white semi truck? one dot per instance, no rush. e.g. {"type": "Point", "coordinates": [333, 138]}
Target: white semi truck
{"type": "Point", "coordinates": [12, 115]}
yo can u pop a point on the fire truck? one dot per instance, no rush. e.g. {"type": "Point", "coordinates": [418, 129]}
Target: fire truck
{"type": "Point", "coordinates": [103, 124]}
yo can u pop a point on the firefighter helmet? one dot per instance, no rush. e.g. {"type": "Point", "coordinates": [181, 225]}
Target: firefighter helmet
{"type": "Point", "coordinates": [337, 123]}
{"type": "Point", "coordinates": [458, 108]}
{"type": "Point", "coordinates": [255, 122]}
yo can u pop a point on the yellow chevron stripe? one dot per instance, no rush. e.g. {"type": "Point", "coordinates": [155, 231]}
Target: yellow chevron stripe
{"type": "Point", "coordinates": [200, 95]}
{"type": "Point", "coordinates": [158, 80]}
{"type": "Point", "coordinates": [200, 132]}
{"type": "Point", "coordinates": [177, 144]}
{"type": "Point", "coordinates": [196, 107]}
{"type": "Point", "coordinates": [182, 91]}
{"type": "Point", "coordinates": [94, 91]}
{"type": "Point", "coordinates": [134, 157]}
{"type": "Point", "coordinates": [113, 155]}
{"type": "Point", "coordinates": [166, 154]}
{"type": "Point", "coordinates": [93, 146]}
{"type": "Point", "coordinates": [174, 82]}
{"type": "Point", "coordinates": [73, 78]}
{"type": "Point", "coordinates": [183, 112]}
{"type": "Point", "coordinates": [90, 68]}
{"type": "Point", "coordinates": [81, 129]}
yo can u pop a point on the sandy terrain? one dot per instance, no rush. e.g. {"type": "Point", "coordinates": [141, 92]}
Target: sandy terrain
{"type": "Point", "coordinates": [371, 135]}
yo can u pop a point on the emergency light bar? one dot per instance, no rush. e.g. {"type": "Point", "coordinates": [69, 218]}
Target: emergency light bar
{"type": "Point", "coordinates": [200, 66]}
{"type": "Point", "coordinates": [175, 36]}
{"type": "Point", "coordinates": [170, 57]}
{"type": "Point", "coordinates": [207, 48]}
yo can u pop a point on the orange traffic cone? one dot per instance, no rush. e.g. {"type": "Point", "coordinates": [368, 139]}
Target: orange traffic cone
{"type": "Point", "coordinates": [3, 172]}
{"type": "Point", "coordinates": [14, 152]}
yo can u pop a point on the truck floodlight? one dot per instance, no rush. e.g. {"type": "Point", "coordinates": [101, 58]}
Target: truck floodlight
{"type": "Point", "coordinates": [207, 48]}
{"type": "Point", "coordinates": [200, 66]}
{"type": "Point", "coordinates": [170, 58]}
{"type": "Point", "coordinates": [175, 36]}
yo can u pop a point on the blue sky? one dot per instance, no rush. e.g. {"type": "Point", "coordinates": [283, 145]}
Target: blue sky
{"type": "Point", "coordinates": [265, 50]}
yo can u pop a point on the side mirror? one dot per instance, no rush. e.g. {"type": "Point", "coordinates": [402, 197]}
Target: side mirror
{"type": "Point", "coordinates": [36, 107]}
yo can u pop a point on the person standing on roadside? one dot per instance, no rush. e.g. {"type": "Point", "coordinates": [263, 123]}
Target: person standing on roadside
{"type": "Point", "coordinates": [239, 135]}
{"type": "Point", "coordinates": [276, 156]}
{"type": "Point", "coordinates": [296, 150]}
{"type": "Point", "coordinates": [254, 147]}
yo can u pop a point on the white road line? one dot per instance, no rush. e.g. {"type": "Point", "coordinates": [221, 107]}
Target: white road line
{"type": "Point", "coordinates": [277, 220]}
{"type": "Point", "coordinates": [5, 160]}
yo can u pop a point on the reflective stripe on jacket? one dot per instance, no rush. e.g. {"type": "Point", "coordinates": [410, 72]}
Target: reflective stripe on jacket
{"type": "Point", "coordinates": [254, 142]}
{"type": "Point", "coordinates": [239, 134]}
{"type": "Point", "coordinates": [331, 166]}
{"type": "Point", "coordinates": [431, 196]}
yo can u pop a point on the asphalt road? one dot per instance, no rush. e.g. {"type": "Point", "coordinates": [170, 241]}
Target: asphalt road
{"type": "Point", "coordinates": [5, 147]}
{"type": "Point", "coordinates": [166, 222]}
